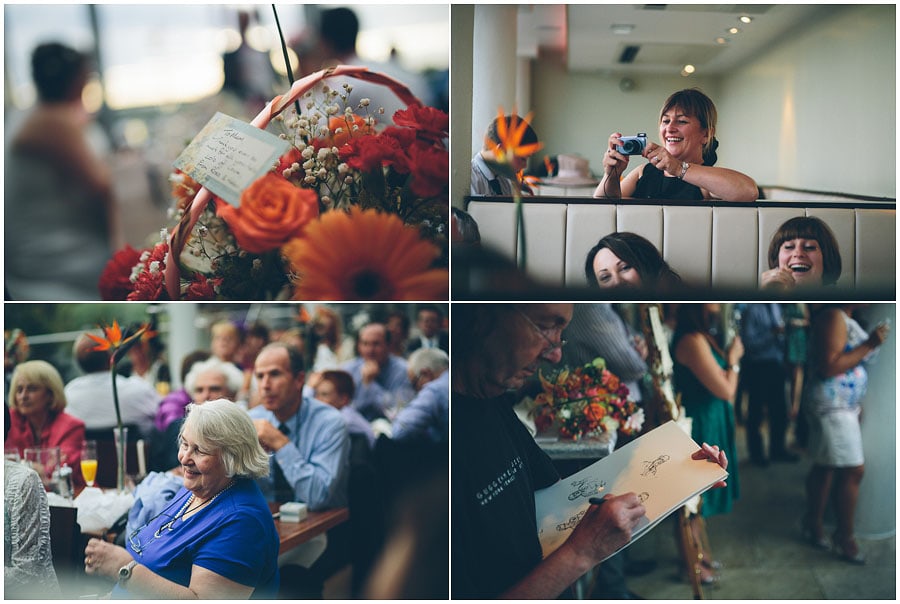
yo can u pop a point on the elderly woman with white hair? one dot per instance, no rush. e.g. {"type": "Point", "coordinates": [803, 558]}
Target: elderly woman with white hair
{"type": "Point", "coordinates": [216, 538]}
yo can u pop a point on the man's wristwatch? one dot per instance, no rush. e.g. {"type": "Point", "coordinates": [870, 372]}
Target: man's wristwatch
{"type": "Point", "coordinates": [735, 368]}
{"type": "Point", "coordinates": [125, 571]}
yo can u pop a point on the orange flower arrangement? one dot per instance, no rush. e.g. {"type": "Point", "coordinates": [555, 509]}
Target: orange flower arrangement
{"type": "Point", "coordinates": [365, 255]}
{"type": "Point", "coordinates": [586, 400]}
{"type": "Point", "coordinates": [300, 230]}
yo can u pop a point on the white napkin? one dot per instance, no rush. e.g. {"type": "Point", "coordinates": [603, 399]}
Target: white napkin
{"type": "Point", "coordinates": [97, 511]}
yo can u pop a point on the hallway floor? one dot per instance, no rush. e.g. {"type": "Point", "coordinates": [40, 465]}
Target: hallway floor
{"type": "Point", "coordinates": [760, 545]}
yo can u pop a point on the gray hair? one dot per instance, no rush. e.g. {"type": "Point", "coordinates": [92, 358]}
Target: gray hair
{"type": "Point", "coordinates": [234, 377]}
{"type": "Point", "coordinates": [226, 427]}
{"type": "Point", "coordinates": [434, 359]}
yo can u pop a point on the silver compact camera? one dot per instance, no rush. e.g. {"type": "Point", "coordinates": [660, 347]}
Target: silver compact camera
{"type": "Point", "coordinates": [633, 145]}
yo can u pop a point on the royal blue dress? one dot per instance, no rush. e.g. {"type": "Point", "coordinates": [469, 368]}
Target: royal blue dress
{"type": "Point", "coordinates": [234, 536]}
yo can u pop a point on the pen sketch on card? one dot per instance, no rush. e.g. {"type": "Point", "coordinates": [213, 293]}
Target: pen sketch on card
{"type": "Point", "coordinates": [657, 467]}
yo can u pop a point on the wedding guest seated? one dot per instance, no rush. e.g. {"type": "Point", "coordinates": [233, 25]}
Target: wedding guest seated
{"type": "Point", "coordinates": [427, 416]}
{"type": "Point", "coordinates": [380, 377]}
{"type": "Point", "coordinates": [336, 388]}
{"type": "Point", "coordinates": [27, 562]}
{"type": "Point", "coordinates": [803, 254]}
{"type": "Point", "coordinates": [307, 439]}
{"type": "Point", "coordinates": [216, 538]}
{"type": "Point", "coordinates": [256, 336]}
{"type": "Point", "coordinates": [310, 450]}
{"type": "Point", "coordinates": [430, 323]}
{"type": "Point", "coordinates": [683, 166]}
{"type": "Point", "coordinates": [485, 181]}
{"type": "Point", "coordinates": [397, 323]}
{"type": "Point", "coordinates": [206, 381]}
{"type": "Point", "coordinates": [331, 346]}
{"type": "Point", "coordinates": [225, 342]}
{"type": "Point", "coordinates": [37, 418]}
{"type": "Point", "coordinates": [628, 260]}
{"type": "Point", "coordinates": [91, 399]}
{"type": "Point", "coordinates": [173, 404]}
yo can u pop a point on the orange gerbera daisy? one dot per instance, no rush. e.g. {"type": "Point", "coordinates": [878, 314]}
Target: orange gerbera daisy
{"type": "Point", "coordinates": [364, 255]}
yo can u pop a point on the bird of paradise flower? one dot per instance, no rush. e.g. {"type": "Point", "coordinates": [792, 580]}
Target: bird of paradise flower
{"type": "Point", "coordinates": [509, 133]}
{"type": "Point", "coordinates": [118, 344]}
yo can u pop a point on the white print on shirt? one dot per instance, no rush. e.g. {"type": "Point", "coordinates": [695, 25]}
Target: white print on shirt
{"type": "Point", "coordinates": [498, 484]}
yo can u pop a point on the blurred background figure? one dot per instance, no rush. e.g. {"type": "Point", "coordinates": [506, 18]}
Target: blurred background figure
{"type": "Point", "coordinates": [397, 324]}
{"type": "Point", "coordinates": [249, 74]}
{"type": "Point", "coordinates": [61, 221]}
{"type": "Point", "coordinates": [336, 44]}
{"type": "Point", "coordinates": [327, 338]}
{"type": "Point", "coordinates": [431, 332]}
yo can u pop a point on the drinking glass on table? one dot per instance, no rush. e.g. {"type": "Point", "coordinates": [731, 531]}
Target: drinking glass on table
{"type": "Point", "coordinates": [89, 462]}
{"type": "Point", "coordinates": [44, 461]}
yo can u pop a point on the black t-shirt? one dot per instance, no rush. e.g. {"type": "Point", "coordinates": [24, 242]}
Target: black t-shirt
{"type": "Point", "coordinates": [654, 184]}
{"type": "Point", "coordinates": [496, 468]}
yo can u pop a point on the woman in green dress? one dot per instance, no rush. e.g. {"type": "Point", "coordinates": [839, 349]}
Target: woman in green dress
{"type": "Point", "coordinates": [707, 378]}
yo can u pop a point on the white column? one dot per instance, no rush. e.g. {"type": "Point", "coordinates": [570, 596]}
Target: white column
{"type": "Point", "coordinates": [877, 505]}
{"type": "Point", "coordinates": [463, 19]}
{"type": "Point", "coordinates": [494, 66]}
{"type": "Point", "coordinates": [183, 336]}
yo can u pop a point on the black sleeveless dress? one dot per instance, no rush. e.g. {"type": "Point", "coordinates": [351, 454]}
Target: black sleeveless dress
{"type": "Point", "coordinates": [654, 184]}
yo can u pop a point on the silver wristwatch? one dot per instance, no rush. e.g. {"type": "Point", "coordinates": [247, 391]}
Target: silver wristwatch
{"type": "Point", "coordinates": [125, 571]}
{"type": "Point", "coordinates": [735, 368]}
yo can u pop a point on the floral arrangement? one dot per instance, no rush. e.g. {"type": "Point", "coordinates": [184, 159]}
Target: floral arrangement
{"type": "Point", "coordinates": [118, 343]}
{"type": "Point", "coordinates": [586, 400]}
{"type": "Point", "coordinates": [355, 210]}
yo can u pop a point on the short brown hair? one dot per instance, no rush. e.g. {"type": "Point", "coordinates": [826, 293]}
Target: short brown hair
{"type": "Point", "coordinates": [695, 104]}
{"type": "Point", "coordinates": [810, 227]}
{"type": "Point", "coordinates": [343, 382]}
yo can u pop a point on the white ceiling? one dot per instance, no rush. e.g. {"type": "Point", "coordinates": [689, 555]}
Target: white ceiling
{"type": "Point", "coordinates": [668, 35]}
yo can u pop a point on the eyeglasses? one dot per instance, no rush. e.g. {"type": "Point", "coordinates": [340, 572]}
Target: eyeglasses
{"type": "Point", "coordinates": [545, 333]}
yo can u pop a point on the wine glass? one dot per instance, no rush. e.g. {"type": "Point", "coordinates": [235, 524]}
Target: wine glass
{"type": "Point", "coordinates": [89, 461]}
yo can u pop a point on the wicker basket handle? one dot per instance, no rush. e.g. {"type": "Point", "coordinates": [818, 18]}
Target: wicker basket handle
{"type": "Point", "coordinates": [182, 230]}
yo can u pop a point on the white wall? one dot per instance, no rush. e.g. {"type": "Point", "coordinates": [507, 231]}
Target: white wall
{"type": "Point", "coordinates": [817, 111]}
{"type": "Point", "coordinates": [805, 109]}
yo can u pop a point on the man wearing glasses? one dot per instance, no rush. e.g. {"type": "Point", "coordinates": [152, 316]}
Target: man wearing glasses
{"type": "Point", "coordinates": [497, 466]}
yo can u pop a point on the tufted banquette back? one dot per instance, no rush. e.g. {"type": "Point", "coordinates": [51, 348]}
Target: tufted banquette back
{"type": "Point", "coordinates": [711, 245]}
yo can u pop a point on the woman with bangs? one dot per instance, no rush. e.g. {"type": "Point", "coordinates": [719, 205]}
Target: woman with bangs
{"type": "Point", "coordinates": [803, 253]}
{"type": "Point", "coordinates": [683, 166]}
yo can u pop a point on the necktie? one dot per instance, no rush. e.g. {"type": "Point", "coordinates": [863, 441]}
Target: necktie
{"type": "Point", "coordinates": [495, 186]}
{"type": "Point", "coordinates": [283, 490]}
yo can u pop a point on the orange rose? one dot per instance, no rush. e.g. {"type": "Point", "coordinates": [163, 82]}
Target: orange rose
{"type": "Point", "coordinates": [272, 212]}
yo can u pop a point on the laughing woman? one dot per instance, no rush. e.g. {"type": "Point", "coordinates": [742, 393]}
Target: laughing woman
{"type": "Point", "coordinates": [216, 538]}
{"type": "Point", "coordinates": [683, 167]}
{"type": "Point", "coordinates": [803, 253]}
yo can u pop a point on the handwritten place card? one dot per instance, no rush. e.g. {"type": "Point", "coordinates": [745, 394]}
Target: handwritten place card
{"type": "Point", "coordinates": [228, 155]}
{"type": "Point", "coordinates": [657, 467]}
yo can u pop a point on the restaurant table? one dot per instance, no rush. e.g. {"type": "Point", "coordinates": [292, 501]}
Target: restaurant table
{"type": "Point", "coordinates": [292, 534]}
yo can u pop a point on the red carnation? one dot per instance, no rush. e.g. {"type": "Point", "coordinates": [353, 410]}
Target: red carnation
{"type": "Point", "coordinates": [430, 167]}
{"type": "Point", "coordinates": [202, 288]}
{"type": "Point", "coordinates": [115, 281]}
{"type": "Point", "coordinates": [427, 120]}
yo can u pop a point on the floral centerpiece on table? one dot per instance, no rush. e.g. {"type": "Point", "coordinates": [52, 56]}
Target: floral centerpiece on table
{"type": "Point", "coordinates": [586, 401]}
{"type": "Point", "coordinates": [352, 211]}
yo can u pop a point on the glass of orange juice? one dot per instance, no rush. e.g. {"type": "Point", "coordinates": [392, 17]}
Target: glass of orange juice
{"type": "Point", "coordinates": [89, 462]}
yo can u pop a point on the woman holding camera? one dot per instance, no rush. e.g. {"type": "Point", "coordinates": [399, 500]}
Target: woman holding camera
{"type": "Point", "coordinates": [683, 167]}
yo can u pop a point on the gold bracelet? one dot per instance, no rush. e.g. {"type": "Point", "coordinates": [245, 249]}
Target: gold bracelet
{"type": "Point", "coordinates": [684, 168]}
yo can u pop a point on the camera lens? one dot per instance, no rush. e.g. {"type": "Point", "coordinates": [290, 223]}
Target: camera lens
{"type": "Point", "coordinates": [629, 146]}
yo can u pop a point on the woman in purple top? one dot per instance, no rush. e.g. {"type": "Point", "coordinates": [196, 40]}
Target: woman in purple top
{"type": "Point", "coordinates": [216, 538]}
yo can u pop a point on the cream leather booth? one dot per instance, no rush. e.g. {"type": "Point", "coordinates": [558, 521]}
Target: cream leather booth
{"type": "Point", "coordinates": [710, 244]}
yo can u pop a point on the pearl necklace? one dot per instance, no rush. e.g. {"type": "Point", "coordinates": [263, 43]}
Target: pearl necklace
{"type": "Point", "coordinates": [185, 509]}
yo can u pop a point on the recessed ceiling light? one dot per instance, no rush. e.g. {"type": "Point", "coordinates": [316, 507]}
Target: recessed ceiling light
{"type": "Point", "coordinates": [745, 19]}
{"type": "Point", "coordinates": [733, 30]}
{"type": "Point", "coordinates": [622, 29]}
{"type": "Point", "coordinates": [689, 69]}
{"type": "Point", "coordinates": [721, 40]}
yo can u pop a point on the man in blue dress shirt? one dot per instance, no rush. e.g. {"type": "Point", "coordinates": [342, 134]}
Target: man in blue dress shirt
{"type": "Point", "coordinates": [379, 376]}
{"type": "Point", "coordinates": [307, 438]}
{"type": "Point", "coordinates": [427, 416]}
